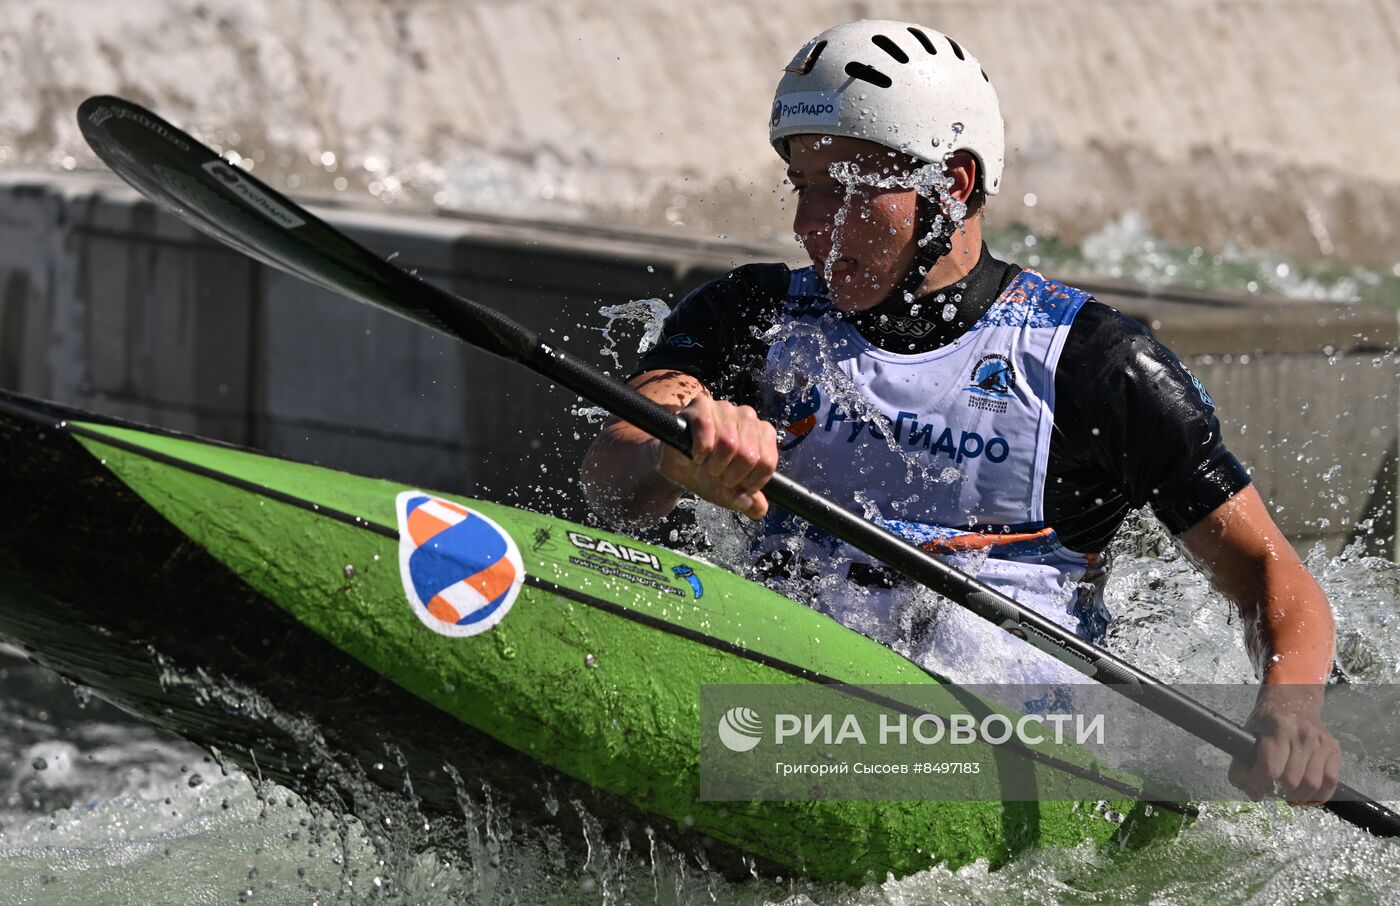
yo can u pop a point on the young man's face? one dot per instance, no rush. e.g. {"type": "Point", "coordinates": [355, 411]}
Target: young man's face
{"type": "Point", "coordinates": [864, 257]}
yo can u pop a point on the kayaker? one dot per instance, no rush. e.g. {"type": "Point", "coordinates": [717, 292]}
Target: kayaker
{"type": "Point", "coordinates": [977, 408]}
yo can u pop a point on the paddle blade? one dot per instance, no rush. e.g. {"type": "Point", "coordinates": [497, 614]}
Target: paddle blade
{"type": "Point", "coordinates": [189, 179]}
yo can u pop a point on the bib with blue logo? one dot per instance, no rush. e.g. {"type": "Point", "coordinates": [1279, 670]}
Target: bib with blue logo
{"type": "Point", "coordinates": [946, 448]}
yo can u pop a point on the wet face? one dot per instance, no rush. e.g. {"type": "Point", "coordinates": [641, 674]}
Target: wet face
{"type": "Point", "coordinates": [863, 256]}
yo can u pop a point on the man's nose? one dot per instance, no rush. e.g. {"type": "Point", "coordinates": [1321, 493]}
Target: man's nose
{"type": "Point", "coordinates": [809, 220]}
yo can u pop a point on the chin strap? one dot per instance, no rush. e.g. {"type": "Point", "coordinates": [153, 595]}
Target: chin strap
{"type": "Point", "coordinates": [940, 243]}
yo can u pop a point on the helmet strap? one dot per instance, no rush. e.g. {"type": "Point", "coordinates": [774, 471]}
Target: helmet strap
{"type": "Point", "coordinates": [940, 243]}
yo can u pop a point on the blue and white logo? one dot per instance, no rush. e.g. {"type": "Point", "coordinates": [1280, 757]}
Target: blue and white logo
{"type": "Point", "coordinates": [806, 108]}
{"type": "Point", "coordinates": [993, 378]}
{"type": "Point", "coordinates": [461, 571]}
{"type": "Point", "coordinates": [994, 375]}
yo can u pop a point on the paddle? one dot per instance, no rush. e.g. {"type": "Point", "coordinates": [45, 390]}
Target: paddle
{"type": "Point", "coordinates": [175, 170]}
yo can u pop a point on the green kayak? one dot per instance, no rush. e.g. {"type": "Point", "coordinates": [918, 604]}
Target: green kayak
{"type": "Point", "coordinates": [518, 649]}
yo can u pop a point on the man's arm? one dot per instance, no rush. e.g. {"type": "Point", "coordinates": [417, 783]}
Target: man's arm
{"type": "Point", "coordinates": [1291, 638]}
{"type": "Point", "coordinates": [628, 474]}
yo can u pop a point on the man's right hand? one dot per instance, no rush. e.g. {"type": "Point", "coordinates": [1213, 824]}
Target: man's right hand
{"type": "Point", "coordinates": [733, 454]}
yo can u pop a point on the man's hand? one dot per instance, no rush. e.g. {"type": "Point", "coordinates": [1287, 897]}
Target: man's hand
{"type": "Point", "coordinates": [1296, 757]}
{"type": "Point", "coordinates": [733, 454]}
{"type": "Point", "coordinates": [628, 474]}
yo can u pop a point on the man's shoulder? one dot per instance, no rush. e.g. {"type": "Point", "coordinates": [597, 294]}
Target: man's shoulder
{"type": "Point", "coordinates": [1107, 353]}
{"type": "Point", "coordinates": [747, 288]}
{"type": "Point", "coordinates": [1097, 318]}
{"type": "Point", "coordinates": [1101, 334]}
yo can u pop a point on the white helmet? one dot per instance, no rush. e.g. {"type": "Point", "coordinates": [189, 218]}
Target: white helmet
{"type": "Point", "coordinates": [901, 85]}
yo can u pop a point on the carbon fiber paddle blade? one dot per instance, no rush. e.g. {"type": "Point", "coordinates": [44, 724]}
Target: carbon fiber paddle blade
{"type": "Point", "coordinates": [189, 179]}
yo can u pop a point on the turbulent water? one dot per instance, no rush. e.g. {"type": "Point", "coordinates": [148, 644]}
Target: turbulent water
{"type": "Point", "coordinates": [1126, 249]}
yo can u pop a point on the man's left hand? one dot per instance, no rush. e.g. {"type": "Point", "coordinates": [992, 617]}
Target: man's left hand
{"type": "Point", "coordinates": [1296, 758]}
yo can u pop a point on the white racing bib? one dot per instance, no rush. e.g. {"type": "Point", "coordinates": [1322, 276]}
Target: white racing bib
{"type": "Point", "coordinates": [946, 448]}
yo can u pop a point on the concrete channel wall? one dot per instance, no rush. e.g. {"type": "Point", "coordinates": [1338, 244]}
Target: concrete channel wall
{"type": "Point", "coordinates": [109, 304]}
{"type": "Point", "coordinates": [1270, 124]}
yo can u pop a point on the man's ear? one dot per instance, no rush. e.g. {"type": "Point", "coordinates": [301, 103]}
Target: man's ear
{"type": "Point", "coordinates": [962, 166]}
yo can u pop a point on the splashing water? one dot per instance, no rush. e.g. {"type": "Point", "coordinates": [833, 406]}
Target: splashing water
{"type": "Point", "coordinates": [646, 314]}
{"type": "Point", "coordinates": [120, 817]}
{"type": "Point", "coordinates": [929, 181]}
{"type": "Point", "coordinates": [837, 222]}
{"type": "Point", "coordinates": [649, 314]}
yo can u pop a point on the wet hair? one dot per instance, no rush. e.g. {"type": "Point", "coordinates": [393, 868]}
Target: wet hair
{"type": "Point", "coordinates": [977, 201]}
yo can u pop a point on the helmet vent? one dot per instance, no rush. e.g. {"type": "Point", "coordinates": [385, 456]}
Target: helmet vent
{"type": "Point", "coordinates": [808, 61]}
{"type": "Point", "coordinates": [891, 48]}
{"type": "Point", "coordinates": [923, 39]}
{"type": "Point", "coordinates": [868, 74]}
{"type": "Point", "coordinates": [956, 49]}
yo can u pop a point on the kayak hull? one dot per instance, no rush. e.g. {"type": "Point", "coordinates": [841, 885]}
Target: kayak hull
{"type": "Point", "coordinates": [136, 556]}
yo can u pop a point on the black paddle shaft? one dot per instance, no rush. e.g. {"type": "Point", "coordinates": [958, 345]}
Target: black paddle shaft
{"type": "Point", "coordinates": [178, 172]}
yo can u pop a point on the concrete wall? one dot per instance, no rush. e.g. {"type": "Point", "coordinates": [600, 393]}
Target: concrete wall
{"type": "Point", "coordinates": [107, 303]}
{"type": "Point", "coordinates": [1267, 123]}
